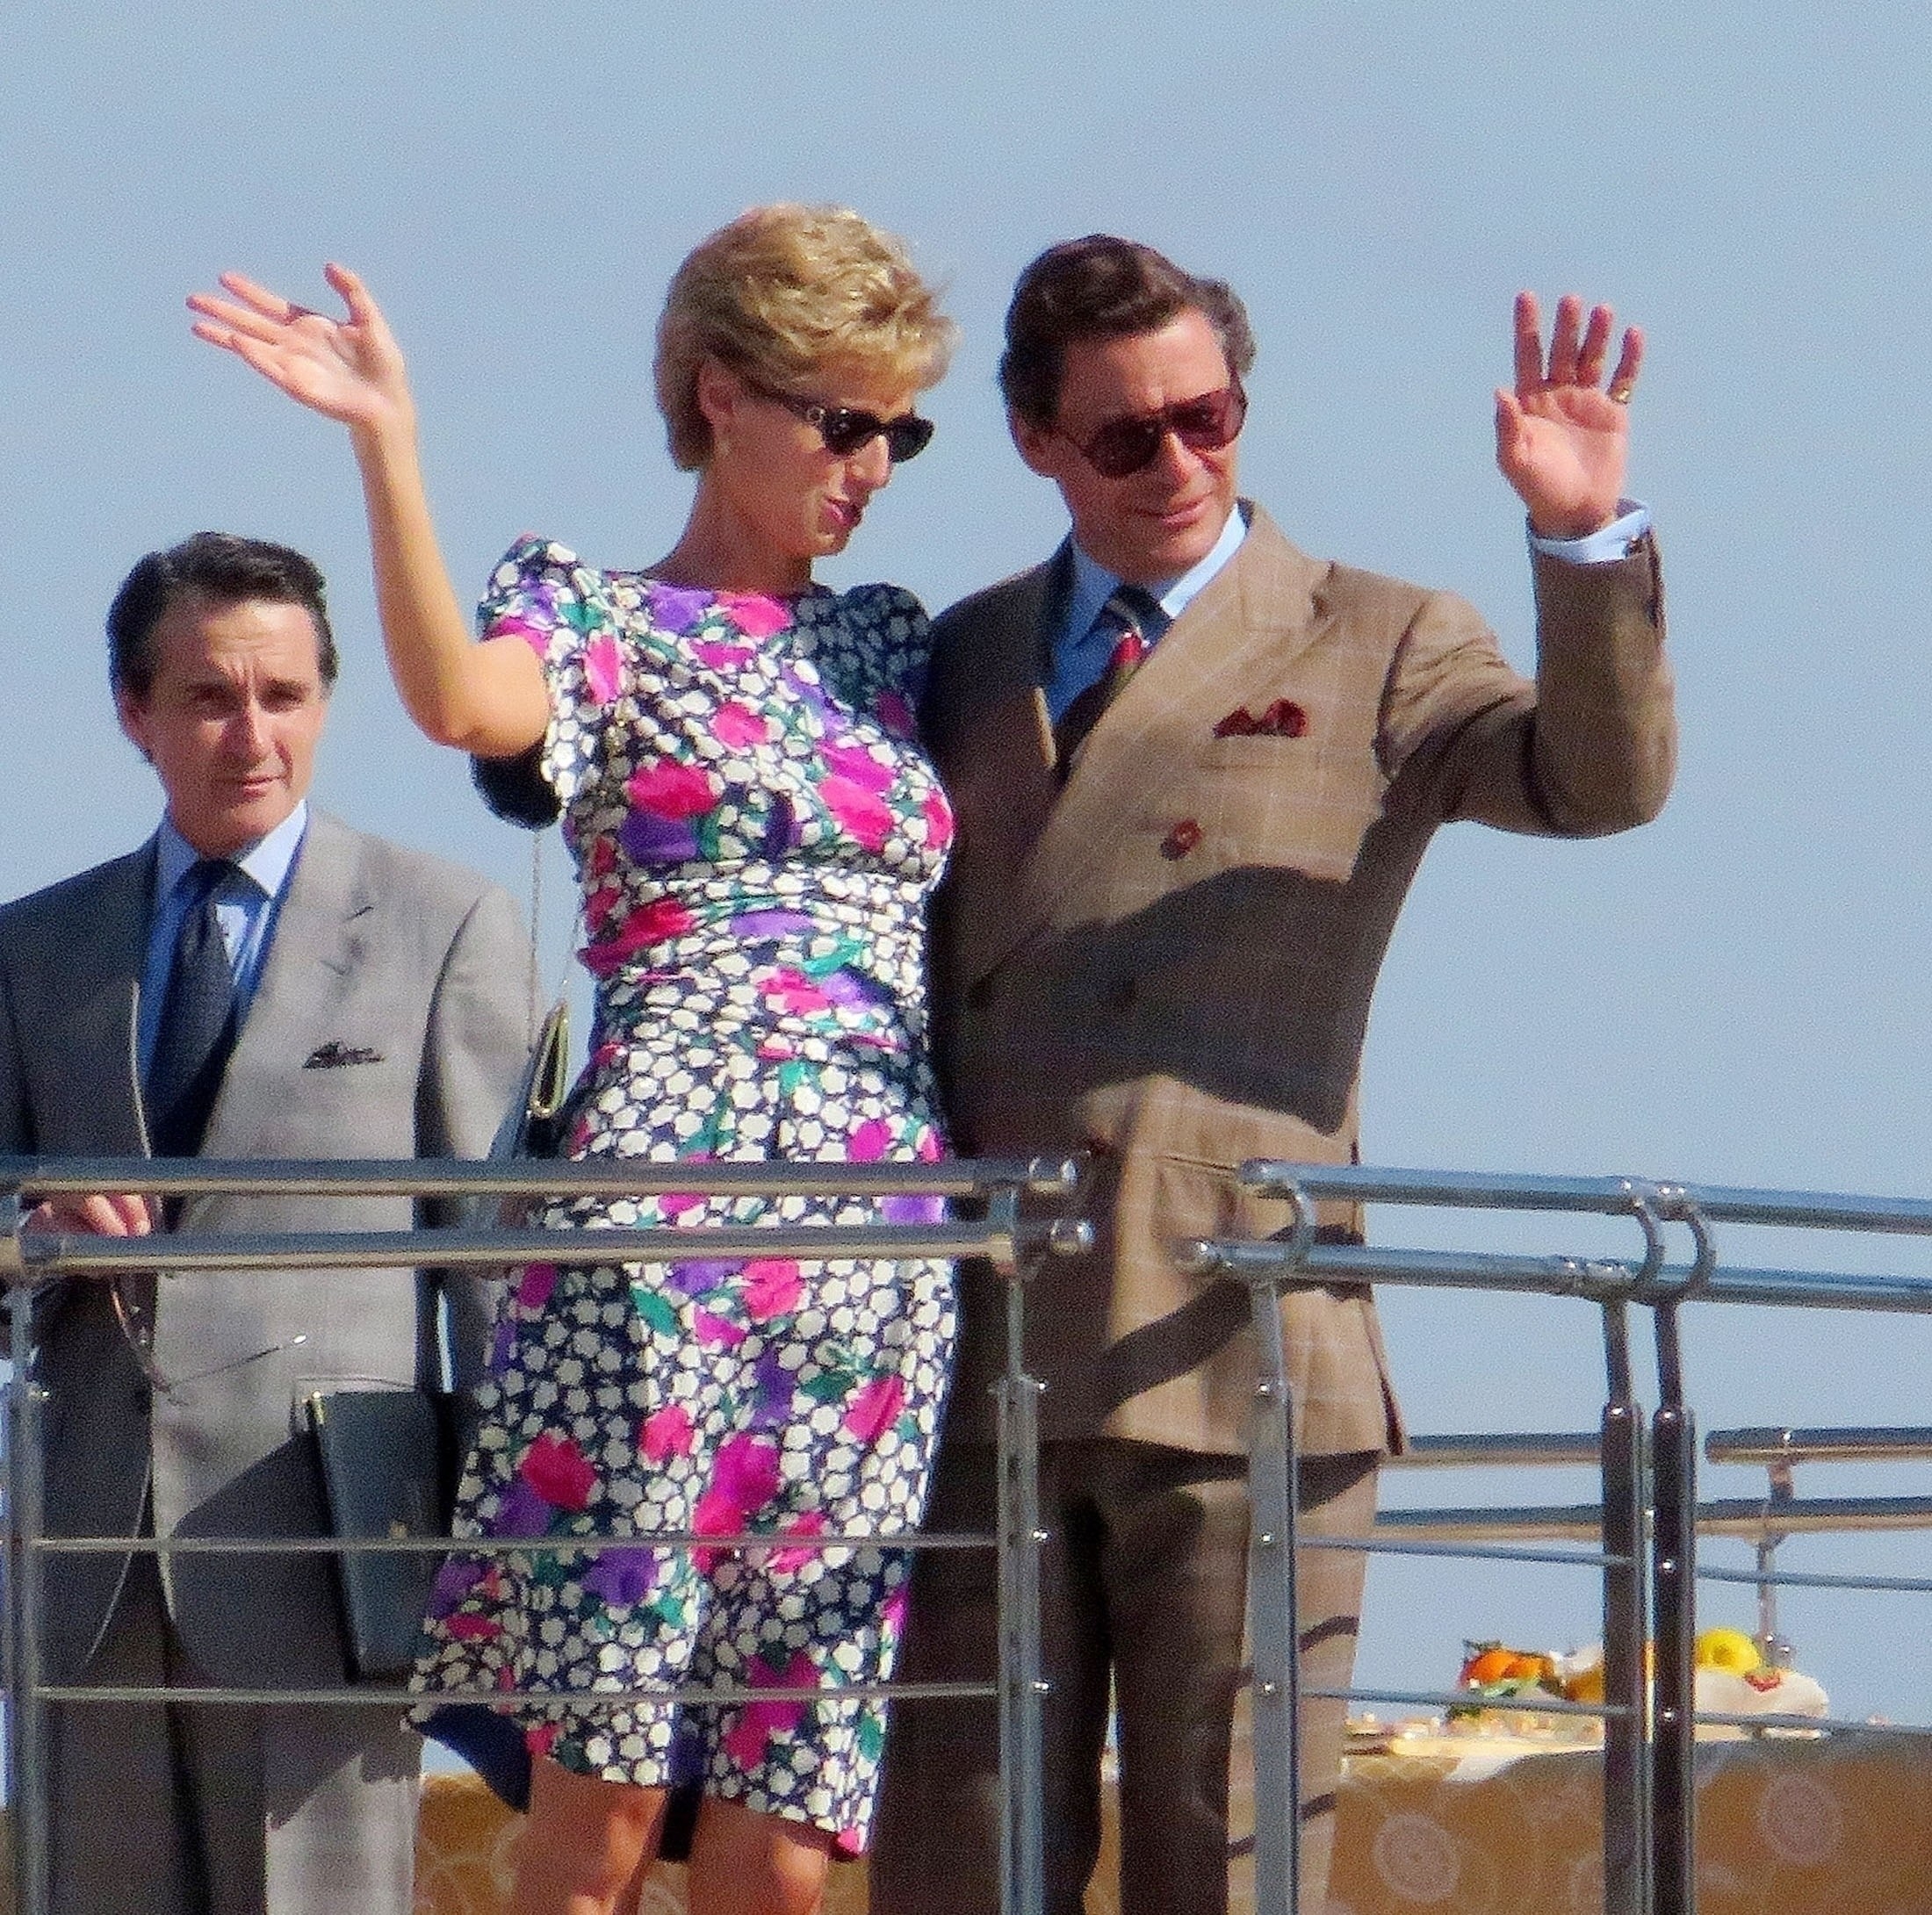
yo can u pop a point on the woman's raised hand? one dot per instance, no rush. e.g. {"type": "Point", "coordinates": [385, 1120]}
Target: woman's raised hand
{"type": "Point", "coordinates": [349, 368]}
{"type": "Point", "coordinates": [488, 698]}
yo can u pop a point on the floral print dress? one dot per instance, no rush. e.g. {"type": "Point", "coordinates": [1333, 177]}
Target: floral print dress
{"type": "Point", "coordinates": [756, 832]}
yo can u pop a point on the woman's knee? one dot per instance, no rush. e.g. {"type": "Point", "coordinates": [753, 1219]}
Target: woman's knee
{"type": "Point", "coordinates": [586, 1832]}
{"type": "Point", "coordinates": [746, 1863]}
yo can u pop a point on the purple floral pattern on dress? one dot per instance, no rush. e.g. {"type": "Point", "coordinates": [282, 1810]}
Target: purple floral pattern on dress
{"type": "Point", "coordinates": [755, 832]}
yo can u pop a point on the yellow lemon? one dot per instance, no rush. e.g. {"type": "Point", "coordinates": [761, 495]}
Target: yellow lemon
{"type": "Point", "coordinates": [1729, 1649]}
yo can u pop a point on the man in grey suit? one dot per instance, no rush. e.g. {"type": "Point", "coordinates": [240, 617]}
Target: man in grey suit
{"type": "Point", "coordinates": [257, 980]}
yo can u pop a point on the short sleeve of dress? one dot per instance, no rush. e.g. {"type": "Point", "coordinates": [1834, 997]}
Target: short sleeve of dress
{"type": "Point", "coordinates": [905, 639]}
{"type": "Point", "coordinates": [540, 594]}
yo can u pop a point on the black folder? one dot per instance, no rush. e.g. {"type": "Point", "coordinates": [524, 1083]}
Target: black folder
{"type": "Point", "coordinates": [388, 1467]}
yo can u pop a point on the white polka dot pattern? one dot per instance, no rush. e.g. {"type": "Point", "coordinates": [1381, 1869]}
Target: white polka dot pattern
{"type": "Point", "coordinates": [756, 831]}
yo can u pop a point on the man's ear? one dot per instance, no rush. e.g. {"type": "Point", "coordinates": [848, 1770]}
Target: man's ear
{"type": "Point", "coordinates": [1038, 446]}
{"type": "Point", "coordinates": [133, 716]}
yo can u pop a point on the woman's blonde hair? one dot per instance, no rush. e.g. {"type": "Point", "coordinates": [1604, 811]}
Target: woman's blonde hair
{"type": "Point", "coordinates": [782, 292]}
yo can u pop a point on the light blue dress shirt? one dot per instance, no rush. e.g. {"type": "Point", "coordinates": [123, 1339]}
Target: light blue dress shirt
{"type": "Point", "coordinates": [1081, 646]}
{"type": "Point", "coordinates": [246, 906]}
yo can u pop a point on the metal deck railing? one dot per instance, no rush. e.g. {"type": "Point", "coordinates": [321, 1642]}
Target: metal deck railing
{"type": "Point", "coordinates": [1644, 1529]}
{"type": "Point", "coordinates": [1014, 1236]}
{"type": "Point", "coordinates": [1640, 1537]}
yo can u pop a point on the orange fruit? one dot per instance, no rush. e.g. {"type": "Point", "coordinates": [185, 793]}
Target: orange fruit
{"type": "Point", "coordinates": [1486, 1665]}
{"type": "Point", "coordinates": [1491, 1662]}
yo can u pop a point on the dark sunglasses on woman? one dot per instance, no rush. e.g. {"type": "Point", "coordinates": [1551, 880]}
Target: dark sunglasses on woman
{"type": "Point", "coordinates": [1123, 447]}
{"type": "Point", "coordinates": [845, 429]}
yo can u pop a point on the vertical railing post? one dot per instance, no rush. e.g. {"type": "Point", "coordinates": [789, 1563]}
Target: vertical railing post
{"type": "Point", "coordinates": [1627, 1792]}
{"type": "Point", "coordinates": [1674, 1587]}
{"type": "Point", "coordinates": [1674, 1475]}
{"type": "Point", "coordinates": [1022, 1848]}
{"type": "Point", "coordinates": [1781, 1489]}
{"type": "Point", "coordinates": [1273, 1626]}
{"type": "Point", "coordinates": [15, 1266]}
{"type": "Point", "coordinates": [27, 1742]}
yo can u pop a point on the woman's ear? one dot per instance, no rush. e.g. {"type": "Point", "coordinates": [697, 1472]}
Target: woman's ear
{"type": "Point", "coordinates": [720, 393]}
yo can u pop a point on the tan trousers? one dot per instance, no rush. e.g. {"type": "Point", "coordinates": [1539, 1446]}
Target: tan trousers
{"type": "Point", "coordinates": [1144, 1603]}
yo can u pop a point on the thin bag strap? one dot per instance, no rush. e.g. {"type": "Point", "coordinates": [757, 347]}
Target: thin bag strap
{"type": "Point", "coordinates": [537, 1013]}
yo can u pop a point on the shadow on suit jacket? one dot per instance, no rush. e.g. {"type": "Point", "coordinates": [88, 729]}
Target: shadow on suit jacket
{"type": "Point", "coordinates": [1165, 952]}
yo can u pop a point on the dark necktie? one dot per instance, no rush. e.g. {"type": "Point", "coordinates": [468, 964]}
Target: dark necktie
{"type": "Point", "coordinates": [1133, 613]}
{"type": "Point", "coordinates": [197, 1028]}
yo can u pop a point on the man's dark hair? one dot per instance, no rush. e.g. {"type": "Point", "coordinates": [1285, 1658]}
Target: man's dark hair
{"type": "Point", "coordinates": [1101, 287]}
{"type": "Point", "coordinates": [219, 566]}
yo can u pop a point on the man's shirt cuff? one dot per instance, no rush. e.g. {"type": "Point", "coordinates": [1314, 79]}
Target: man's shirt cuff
{"type": "Point", "coordinates": [1615, 541]}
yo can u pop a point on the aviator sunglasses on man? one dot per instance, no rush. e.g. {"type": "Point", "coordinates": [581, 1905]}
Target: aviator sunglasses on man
{"type": "Point", "coordinates": [846, 430]}
{"type": "Point", "coordinates": [1123, 447]}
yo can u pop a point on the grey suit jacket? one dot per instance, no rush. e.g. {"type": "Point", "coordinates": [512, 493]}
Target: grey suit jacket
{"type": "Point", "coordinates": [409, 964]}
{"type": "Point", "coordinates": [1168, 959]}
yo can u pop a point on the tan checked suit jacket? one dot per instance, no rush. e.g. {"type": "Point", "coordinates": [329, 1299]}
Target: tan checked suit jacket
{"type": "Point", "coordinates": [1169, 960]}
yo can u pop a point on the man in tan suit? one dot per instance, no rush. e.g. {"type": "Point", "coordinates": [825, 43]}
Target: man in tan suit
{"type": "Point", "coordinates": [1188, 814]}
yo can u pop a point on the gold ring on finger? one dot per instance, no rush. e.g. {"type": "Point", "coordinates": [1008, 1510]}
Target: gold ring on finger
{"type": "Point", "coordinates": [1620, 393]}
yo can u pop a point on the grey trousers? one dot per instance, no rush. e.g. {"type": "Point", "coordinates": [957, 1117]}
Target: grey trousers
{"type": "Point", "coordinates": [216, 1809]}
{"type": "Point", "coordinates": [1144, 1603]}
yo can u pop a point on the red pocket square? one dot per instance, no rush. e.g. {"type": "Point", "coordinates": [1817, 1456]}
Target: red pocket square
{"type": "Point", "coordinates": [1283, 719]}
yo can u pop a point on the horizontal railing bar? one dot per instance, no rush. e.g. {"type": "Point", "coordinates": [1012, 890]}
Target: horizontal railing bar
{"type": "Point", "coordinates": [1767, 1443]}
{"type": "Point", "coordinates": [1478, 1531]}
{"type": "Point", "coordinates": [1461, 1702]}
{"type": "Point", "coordinates": [443, 1545]}
{"type": "Point", "coordinates": [530, 1176]}
{"type": "Point", "coordinates": [1443, 1189]}
{"type": "Point", "coordinates": [1603, 1196]}
{"type": "Point", "coordinates": [314, 1252]}
{"type": "Point", "coordinates": [368, 1696]}
{"type": "Point", "coordinates": [1595, 1280]}
{"type": "Point", "coordinates": [1820, 1579]}
{"type": "Point", "coordinates": [486, 1545]}
{"type": "Point", "coordinates": [1580, 1522]}
{"type": "Point", "coordinates": [1815, 1290]}
{"type": "Point", "coordinates": [1494, 1552]}
{"type": "Point", "coordinates": [1734, 1516]}
{"type": "Point", "coordinates": [1498, 1449]}
{"type": "Point", "coordinates": [1770, 1444]}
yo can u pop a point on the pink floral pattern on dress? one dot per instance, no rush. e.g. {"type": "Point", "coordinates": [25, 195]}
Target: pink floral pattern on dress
{"type": "Point", "coordinates": [756, 831]}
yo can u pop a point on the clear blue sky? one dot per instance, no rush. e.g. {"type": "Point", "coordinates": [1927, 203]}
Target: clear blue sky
{"type": "Point", "coordinates": [1737, 994]}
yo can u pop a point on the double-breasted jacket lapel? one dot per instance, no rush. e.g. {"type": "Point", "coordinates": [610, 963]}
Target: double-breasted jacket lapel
{"type": "Point", "coordinates": [987, 722]}
{"type": "Point", "coordinates": [1250, 622]}
{"type": "Point", "coordinates": [1034, 847]}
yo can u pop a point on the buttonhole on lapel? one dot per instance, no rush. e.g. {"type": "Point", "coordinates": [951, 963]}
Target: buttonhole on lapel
{"type": "Point", "coordinates": [335, 1054]}
{"type": "Point", "coordinates": [1181, 840]}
